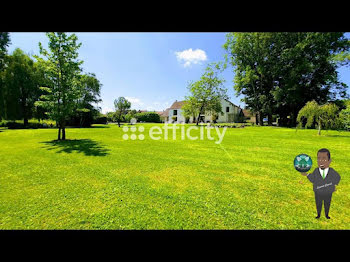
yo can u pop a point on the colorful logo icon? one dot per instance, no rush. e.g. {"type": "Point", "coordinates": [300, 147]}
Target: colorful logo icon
{"type": "Point", "coordinates": [302, 163]}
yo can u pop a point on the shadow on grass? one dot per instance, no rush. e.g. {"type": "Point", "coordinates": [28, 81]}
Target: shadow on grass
{"type": "Point", "coordinates": [86, 146]}
{"type": "Point", "coordinates": [336, 136]}
{"type": "Point", "coordinates": [88, 127]}
{"type": "Point", "coordinates": [104, 126]}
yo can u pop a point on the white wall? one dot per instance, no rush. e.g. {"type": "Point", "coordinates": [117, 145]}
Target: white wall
{"type": "Point", "coordinates": [180, 116]}
{"type": "Point", "coordinates": [223, 118]}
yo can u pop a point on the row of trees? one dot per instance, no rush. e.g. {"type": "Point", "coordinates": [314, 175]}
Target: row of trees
{"type": "Point", "coordinates": [278, 73]}
{"type": "Point", "coordinates": [51, 86]}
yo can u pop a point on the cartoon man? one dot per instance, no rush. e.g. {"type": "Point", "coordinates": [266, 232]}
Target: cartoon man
{"type": "Point", "coordinates": [324, 179]}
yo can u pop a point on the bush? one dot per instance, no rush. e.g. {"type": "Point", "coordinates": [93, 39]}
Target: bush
{"type": "Point", "coordinates": [14, 125]}
{"type": "Point", "coordinates": [127, 117]}
{"type": "Point", "coordinates": [20, 125]}
{"type": "Point", "coordinates": [344, 118]}
{"type": "Point", "coordinates": [100, 120]}
{"type": "Point", "coordinates": [150, 117]}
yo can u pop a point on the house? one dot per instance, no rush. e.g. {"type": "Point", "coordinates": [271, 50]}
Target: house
{"type": "Point", "coordinates": [175, 113]}
{"type": "Point", "coordinates": [164, 115]}
{"type": "Point", "coordinates": [249, 116]}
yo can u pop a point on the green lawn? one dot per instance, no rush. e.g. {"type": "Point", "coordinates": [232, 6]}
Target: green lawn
{"type": "Point", "coordinates": [97, 180]}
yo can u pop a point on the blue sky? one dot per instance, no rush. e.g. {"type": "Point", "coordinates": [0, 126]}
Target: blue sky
{"type": "Point", "coordinates": [152, 70]}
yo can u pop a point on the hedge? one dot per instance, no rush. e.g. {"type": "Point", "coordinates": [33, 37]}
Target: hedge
{"type": "Point", "coordinates": [150, 117]}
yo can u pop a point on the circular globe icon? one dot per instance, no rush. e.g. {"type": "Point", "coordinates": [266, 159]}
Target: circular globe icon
{"type": "Point", "coordinates": [302, 163]}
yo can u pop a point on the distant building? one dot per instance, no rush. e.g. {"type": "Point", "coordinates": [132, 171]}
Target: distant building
{"type": "Point", "coordinates": [164, 115]}
{"type": "Point", "coordinates": [249, 116]}
{"type": "Point", "coordinates": [174, 114]}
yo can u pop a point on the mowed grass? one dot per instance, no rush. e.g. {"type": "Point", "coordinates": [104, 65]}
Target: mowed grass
{"type": "Point", "coordinates": [97, 180]}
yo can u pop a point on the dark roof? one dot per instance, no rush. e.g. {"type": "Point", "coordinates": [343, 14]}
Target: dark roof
{"type": "Point", "coordinates": [165, 112]}
{"type": "Point", "coordinates": [177, 105]}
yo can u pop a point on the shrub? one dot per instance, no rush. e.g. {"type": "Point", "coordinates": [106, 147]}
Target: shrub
{"type": "Point", "coordinates": [150, 117]}
{"type": "Point", "coordinates": [344, 117]}
{"type": "Point", "coordinates": [15, 125]}
{"type": "Point", "coordinates": [100, 120]}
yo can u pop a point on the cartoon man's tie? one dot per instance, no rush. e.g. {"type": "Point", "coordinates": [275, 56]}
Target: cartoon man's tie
{"type": "Point", "coordinates": [323, 175]}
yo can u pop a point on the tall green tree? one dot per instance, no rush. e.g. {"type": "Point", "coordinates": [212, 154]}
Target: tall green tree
{"type": "Point", "coordinates": [280, 72]}
{"type": "Point", "coordinates": [254, 77]}
{"type": "Point", "coordinates": [325, 116]}
{"type": "Point", "coordinates": [207, 92]}
{"type": "Point", "coordinates": [89, 96]}
{"type": "Point", "coordinates": [121, 105]}
{"type": "Point", "coordinates": [63, 70]}
{"type": "Point", "coordinates": [20, 86]}
{"type": "Point", "coordinates": [4, 43]}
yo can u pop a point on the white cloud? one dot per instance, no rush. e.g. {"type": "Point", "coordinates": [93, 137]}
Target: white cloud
{"type": "Point", "coordinates": [135, 102]}
{"type": "Point", "coordinates": [190, 56]}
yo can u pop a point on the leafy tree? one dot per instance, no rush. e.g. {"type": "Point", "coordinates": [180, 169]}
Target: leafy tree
{"type": "Point", "coordinates": [63, 70]}
{"type": "Point", "coordinates": [89, 95]}
{"type": "Point", "coordinates": [121, 107]}
{"type": "Point", "coordinates": [279, 72]}
{"type": "Point", "coordinates": [20, 86]}
{"type": "Point", "coordinates": [207, 92]}
{"type": "Point", "coordinates": [190, 108]}
{"type": "Point", "coordinates": [130, 115]}
{"type": "Point", "coordinates": [4, 43]}
{"type": "Point", "coordinates": [110, 116]}
{"type": "Point", "coordinates": [344, 116]}
{"type": "Point", "coordinates": [325, 116]}
{"type": "Point", "coordinates": [250, 55]}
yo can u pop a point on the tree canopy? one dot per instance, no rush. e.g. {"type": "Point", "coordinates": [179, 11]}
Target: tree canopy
{"type": "Point", "coordinates": [4, 43]}
{"type": "Point", "coordinates": [325, 115]}
{"type": "Point", "coordinates": [20, 86]}
{"type": "Point", "coordinates": [279, 72]}
{"type": "Point", "coordinates": [63, 70]}
{"type": "Point", "coordinates": [121, 106]}
{"type": "Point", "coordinates": [206, 93]}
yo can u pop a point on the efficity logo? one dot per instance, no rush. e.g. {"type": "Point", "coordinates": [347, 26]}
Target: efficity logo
{"type": "Point", "coordinates": [170, 132]}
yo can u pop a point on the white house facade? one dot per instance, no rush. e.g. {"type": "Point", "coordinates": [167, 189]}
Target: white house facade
{"type": "Point", "coordinates": [228, 111]}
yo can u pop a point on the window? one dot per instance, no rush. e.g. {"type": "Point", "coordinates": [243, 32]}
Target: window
{"type": "Point", "coordinates": [175, 112]}
{"type": "Point", "coordinates": [227, 109]}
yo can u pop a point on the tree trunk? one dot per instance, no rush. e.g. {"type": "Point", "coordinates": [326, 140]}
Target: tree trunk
{"type": "Point", "coordinates": [118, 123]}
{"type": "Point", "coordinates": [199, 114]}
{"type": "Point", "coordinates": [24, 110]}
{"type": "Point", "coordinates": [59, 133]}
{"type": "Point", "coordinates": [292, 120]}
{"type": "Point", "coordinates": [260, 119]}
{"type": "Point", "coordinates": [319, 127]}
{"type": "Point", "coordinates": [25, 121]}
{"type": "Point", "coordinates": [269, 119]}
{"type": "Point", "coordinates": [64, 130]}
